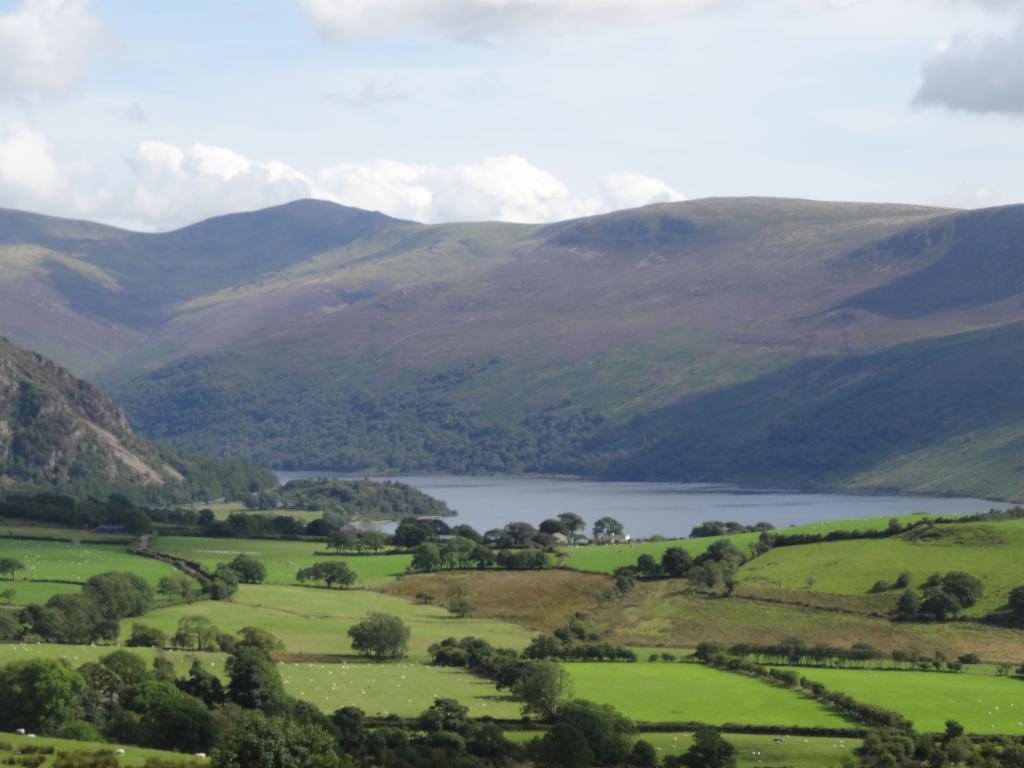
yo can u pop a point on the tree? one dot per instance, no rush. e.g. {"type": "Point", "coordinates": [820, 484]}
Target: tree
{"type": "Point", "coordinates": [573, 523]}
{"type": "Point", "coordinates": [10, 566]}
{"type": "Point", "coordinates": [412, 532]}
{"type": "Point", "coordinates": [604, 730]}
{"type": "Point", "coordinates": [1016, 602]}
{"type": "Point", "coordinates": [196, 632]}
{"type": "Point", "coordinates": [940, 604]}
{"type": "Point", "coordinates": [445, 715]}
{"type": "Point", "coordinates": [606, 527]}
{"type": "Point", "coordinates": [648, 567]}
{"type": "Point", "coordinates": [340, 542]}
{"type": "Point", "coordinates": [257, 741]}
{"type": "Point", "coordinates": [255, 682]}
{"type": "Point", "coordinates": [144, 636]}
{"type": "Point", "coordinates": [459, 601]}
{"type": "Point", "coordinates": [171, 719]}
{"type": "Point", "coordinates": [224, 583]}
{"type": "Point", "coordinates": [260, 638]}
{"type": "Point", "coordinates": [374, 540]}
{"type": "Point", "coordinates": [520, 534]}
{"type": "Point", "coordinates": [38, 695]}
{"type": "Point", "coordinates": [710, 750]}
{"type": "Point", "coordinates": [551, 527]}
{"type": "Point", "coordinates": [909, 603]}
{"type": "Point", "coordinates": [964, 587]}
{"type": "Point", "coordinates": [426, 558]}
{"type": "Point", "coordinates": [248, 569]}
{"type": "Point", "coordinates": [328, 573]}
{"type": "Point", "coordinates": [380, 635]}
{"type": "Point", "coordinates": [203, 685]}
{"type": "Point", "coordinates": [676, 562]}
{"type": "Point", "coordinates": [643, 754]}
{"type": "Point", "coordinates": [177, 587]}
{"type": "Point", "coordinates": [541, 688]}
{"type": "Point", "coordinates": [117, 595]}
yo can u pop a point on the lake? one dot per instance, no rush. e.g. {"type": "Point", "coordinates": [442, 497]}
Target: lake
{"type": "Point", "coordinates": [669, 509]}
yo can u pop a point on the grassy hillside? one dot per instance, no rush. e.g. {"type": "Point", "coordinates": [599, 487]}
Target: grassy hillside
{"type": "Point", "coordinates": [753, 339]}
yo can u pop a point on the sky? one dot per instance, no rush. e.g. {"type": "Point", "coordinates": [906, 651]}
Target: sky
{"type": "Point", "coordinates": [154, 115]}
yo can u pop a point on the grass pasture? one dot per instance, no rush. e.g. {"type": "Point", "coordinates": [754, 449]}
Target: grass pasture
{"type": "Point", "coordinates": [76, 655]}
{"type": "Point", "coordinates": [133, 757]}
{"type": "Point", "coordinates": [752, 750]}
{"type": "Point", "coordinates": [53, 560]}
{"type": "Point", "coordinates": [282, 558]}
{"type": "Point", "coordinates": [983, 704]}
{"type": "Point", "coordinates": [315, 621]}
{"type": "Point", "coordinates": [35, 592]}
{"type": "Point", "coordinates": [680, 692]}
{"type": "Point", "coordinates": [606, 558]}
{"type": "Point", "coordinates": [541, 600]}
{"type": "Point", "coordinates": [402, 688]}
{"type": "Point", "coordinates": [989, 551]}
{"type": "Point", "coordinates": [664, 613]}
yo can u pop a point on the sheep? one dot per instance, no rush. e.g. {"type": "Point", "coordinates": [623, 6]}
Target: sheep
{"type": "Point", "coordinates": [201, 755]}
{"type": "Point", "coordinates": [119, 751]}
{"type": "Point", "coordinates": [20, 731]}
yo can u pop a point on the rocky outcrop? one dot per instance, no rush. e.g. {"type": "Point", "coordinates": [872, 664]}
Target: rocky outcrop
{"type": "Point", "coordinates": [55, 428]}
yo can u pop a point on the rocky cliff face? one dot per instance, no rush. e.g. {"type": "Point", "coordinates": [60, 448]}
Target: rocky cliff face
{"type": "Point", "coordinates": [55, 428]}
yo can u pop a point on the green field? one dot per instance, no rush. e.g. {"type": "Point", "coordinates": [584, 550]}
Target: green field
{"type": "Point", "coordinates": [282, 558]}
{"type": "Point", "coordinates": [311, 620]}
{"type": "Point", "coordinates": [76, 655]}
{"type": "Point", "coordinates": [989, 551]}
{"type": "Point", "coordinates": [606, 558]}
{"type": "Point", "coordinates": [18, 528]}
{"type": "Point", "coordinates": [33, 592]}
{"type": "Point", "coordinates": [133, 757]}
{"type": "Point", "coordinates": [983, 704]}
{"type": "Point", "coordinates": [752, 750]}
{"type": "Point", "coordinates": [681, 692]}
{"type": "Point", "coordinates": [77, 562]}
{"type": "Point", "coordinates": [403, 688]}
{"type": "Point", "coordinates": [661, 614]}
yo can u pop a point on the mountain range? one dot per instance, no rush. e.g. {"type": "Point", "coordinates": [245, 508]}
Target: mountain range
{"type": "Point", "coordinates": [778, 342]}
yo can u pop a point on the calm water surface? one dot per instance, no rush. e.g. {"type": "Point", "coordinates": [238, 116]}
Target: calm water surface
{"type": "Point", "coordinates": [669, 509]}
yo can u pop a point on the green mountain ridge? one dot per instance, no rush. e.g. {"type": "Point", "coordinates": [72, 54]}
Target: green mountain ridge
{"type": "Point", "coordinates": [714, 339]}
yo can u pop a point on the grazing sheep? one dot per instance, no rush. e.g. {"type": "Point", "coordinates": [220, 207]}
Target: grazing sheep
{"type": "Point", "coordinates": [119, 751]}
{"type": "Point", "coordinates": [20, 731]}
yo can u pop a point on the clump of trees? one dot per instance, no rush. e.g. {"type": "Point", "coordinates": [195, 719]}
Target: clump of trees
{"type": "Point", "coordinates": [381, 636]}
{"type": "Point", "coordinates": [942, 597]}
{"type": "Point", "coordinates": [93, 615]}
{"type": "Point", "coordinates": [9, 566]}
{"type": "Point", "coordinates": [718, 528]}
{"type": "Point", "coordinates": [330, 574]}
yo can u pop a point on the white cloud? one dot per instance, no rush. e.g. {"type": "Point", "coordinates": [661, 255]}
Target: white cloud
{"type": "Point", "coordinates": [631, 190]}
{"type": "Point", "coordinates": [976, 74]}
{"type": "Point", "coordinates": [507, 188]}
{"type": "Point", "coordinates": [169, 186]}
{"type": "Point", "coordinates": [172, 186]}
{"type": "Point", "coordinates": [341, 19]}
{"type": "Point", "coordinates": [46, 46]}
{"type": "Point", "coordinates": [29, 172]}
